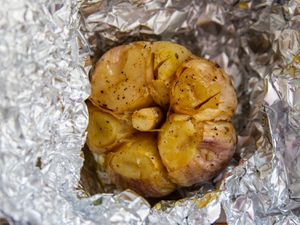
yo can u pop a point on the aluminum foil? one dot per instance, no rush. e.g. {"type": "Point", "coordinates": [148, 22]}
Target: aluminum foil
{"type": "Point", "coordinates": [44, 45]}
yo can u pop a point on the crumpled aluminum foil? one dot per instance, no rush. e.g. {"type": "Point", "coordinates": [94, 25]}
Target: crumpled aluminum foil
{"type": "Point", "coordinates": [44, 45]}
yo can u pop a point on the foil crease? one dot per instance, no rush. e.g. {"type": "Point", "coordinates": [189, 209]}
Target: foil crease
{"type": "Point", "coordinates": [198, 209]}
{"type": "Point", "coordinates": [44, 46]}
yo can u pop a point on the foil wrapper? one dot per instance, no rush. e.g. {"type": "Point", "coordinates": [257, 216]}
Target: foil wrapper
{"type": "Point", "coordinates": [44, 83]}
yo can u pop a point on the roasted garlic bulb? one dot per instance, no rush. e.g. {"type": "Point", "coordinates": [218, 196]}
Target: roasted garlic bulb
{"type": "Point", "coordinates": [161, 116]}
